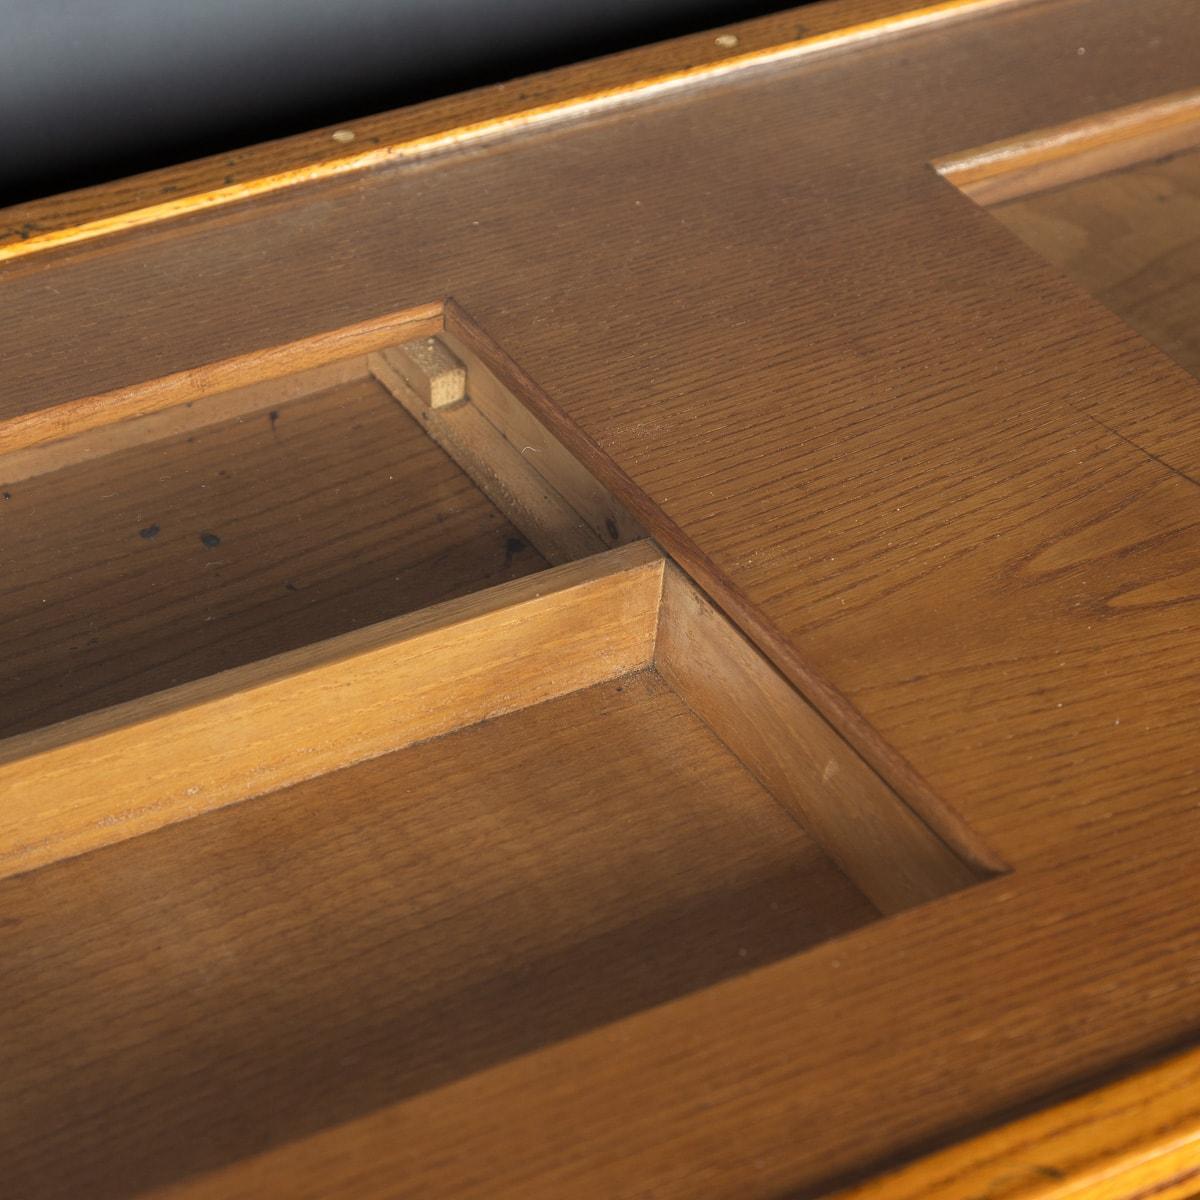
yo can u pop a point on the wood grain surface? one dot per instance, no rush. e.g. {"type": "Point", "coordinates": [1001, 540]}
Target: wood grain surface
{"type": "Point", "coordinates": [949, 492]}
{"type": "Point", "coordinates": [240, 980]}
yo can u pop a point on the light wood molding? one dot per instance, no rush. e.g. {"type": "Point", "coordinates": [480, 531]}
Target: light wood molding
{"type": "Point", "coordinates": [122, 772]}
{"type": "Point", "coordinates": [1094, 145]}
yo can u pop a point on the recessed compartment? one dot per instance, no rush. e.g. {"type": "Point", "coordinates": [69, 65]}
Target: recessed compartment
{"type": "Point", "coordinates": [273, 568]}
{"type": "Point", "coordinates": [178, 558]}
{"type": "Point", "coordinates": [381, 931]}
{"type": "Point", "coordinates": [468, 833]}
{"type": "Point", "coordinates": [494, 773]}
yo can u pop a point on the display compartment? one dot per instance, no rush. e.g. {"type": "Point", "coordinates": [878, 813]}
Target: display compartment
{"type": "Point", "coordinates": [554, 786]}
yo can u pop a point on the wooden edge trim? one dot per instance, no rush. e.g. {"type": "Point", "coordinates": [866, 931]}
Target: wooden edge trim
{"type": "Point", "coordinates": [1136, 1139]}
{"type": "Point", "coordinates": [183, 387]}
{"type": "Point", "coordinates": [456, 136]}
{"type": "Point", "coordinates": [1133, 1139]}
{"type": "Point", "coordinates": [1048, 158]}
{"type": "Point", "coordinates": [133, 768]}
{"type": "Point", "coordinates": [885, 849]}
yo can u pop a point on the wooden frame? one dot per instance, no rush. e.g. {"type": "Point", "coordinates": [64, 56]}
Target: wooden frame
{"type": "Point", "coordinates": [928, 513]}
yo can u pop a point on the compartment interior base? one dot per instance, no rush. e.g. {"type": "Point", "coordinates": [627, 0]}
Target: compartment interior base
{"type": "Point", "coordinates": [194, 995]}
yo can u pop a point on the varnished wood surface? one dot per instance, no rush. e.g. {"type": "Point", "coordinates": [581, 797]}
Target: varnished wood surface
{"type": "Point", "coordinates": [895, 859]}
{"type": "Point", "coordinates": [178, 558]}
{"type": "Point", "coordinates": [1132, 238]}
{"type": "Point", "coordinates": [198, 994]}
{"type": "Point", "coordinates": [426, 129]}
{"type": "Point", "coordinates": [948, 490]}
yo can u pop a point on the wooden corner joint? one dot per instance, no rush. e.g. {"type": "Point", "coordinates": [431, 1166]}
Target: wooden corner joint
{"type": "Point", "coordinates": [430, 370]}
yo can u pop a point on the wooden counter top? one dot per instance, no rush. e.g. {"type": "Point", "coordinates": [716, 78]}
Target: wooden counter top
{"type": "Point", "coordinates": [949, 493]}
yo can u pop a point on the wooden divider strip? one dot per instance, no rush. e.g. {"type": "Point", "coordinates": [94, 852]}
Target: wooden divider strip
{"type": "Point", "coordinates": [179, 419]}
{"type": "Point", "coordinates": [133, 768]}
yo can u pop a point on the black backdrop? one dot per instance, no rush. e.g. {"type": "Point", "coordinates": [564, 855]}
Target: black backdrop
{"type": "Point", "coordinates": [94, 89]}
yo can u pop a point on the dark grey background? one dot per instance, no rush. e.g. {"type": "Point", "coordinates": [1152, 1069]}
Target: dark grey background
{"type": "Point", "coordinates": [95, 89]}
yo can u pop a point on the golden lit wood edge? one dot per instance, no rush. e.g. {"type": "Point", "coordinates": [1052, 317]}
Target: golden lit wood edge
{"type": "Point", "coordinates": [136, 767]}
{"type": "Point", "coordinates": [1138, 1137]}
{"type": "Point", "coordinates": [183, 387]}
{"type": "Point", "coordinates": [1048, 158]}
{"type": "Point", "coordinates": [30, 239]}
{"type": "Point", "coordinates": [889, 853]}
